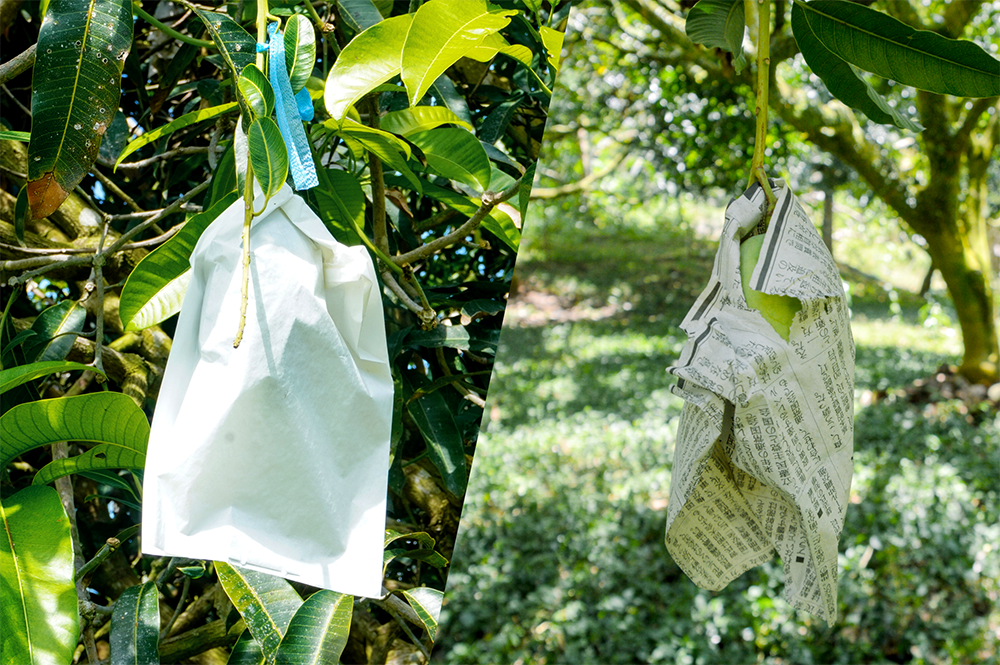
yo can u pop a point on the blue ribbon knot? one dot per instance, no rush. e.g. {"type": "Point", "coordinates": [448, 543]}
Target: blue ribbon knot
{"type": "Point", "coordinates": [291, 110]}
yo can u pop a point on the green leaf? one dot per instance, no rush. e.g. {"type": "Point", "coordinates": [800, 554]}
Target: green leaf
{"type": "Point", "coordinates": [105, 417]}
{"type": "Point", "coordinates": [82, 46]}
{"type": "Point", "coordinates": [237, 46]}
{"type": "Point", "coordinates": [38, 603]}
{"type": "Point", "coordinates": [497, 222]}
{"type": "Point", "coordinates": [246, 651]}
{"type": "Point", "coordinates": [426, 602]}
{"type": "Point", "coordinates": [886, 47]}
{"type": "Point", "coordinates": [445, 91]}
{"type": "Point", "coordinates": [266, 603]}
{"type": "Point", "coordinates": [155, 289]}
{"type": "Point", "coordinates": [15, 376]}
{"type": "Point", "coordinates": [424, 551]}
{"type": "Point", "coordinates": [524, 191]}
{"type": "Point", "coordinates": [135, 627]}
{"type": "Point", "coordinates": [224, 176]}
{"type": "Point", "coordinates": [717, 24]}
{"type": "Point", "coordinates": [436, 422]}
{"type": "Point", "coordinates": [369, 60]}
{"type": "Point", "coordinates": [268, 155]}
{"type": "Point", "coordinates": [9, 135]}
{"type": "Point", "coordinates": [342, 206]}
{"type": "Point", "coordinates": [843, 80]}
{"type": "Point", "coordinates": [318, 632]}
{"type": "Point", "coordinates": [257, 91]}
{"type": "Point", "coordinates": [359, 14]}
{"type": "Point", "coordinates": [500, 116]}
{"type": "Point", "coordinates": [444, 31]}
{"type": "Point", "coordinates": [420, 118]}
{"type": "Point", "coordinates": [387, 147]}
{"type": "Point", "coordinates": [300, 50]}
{"type": "Point", "coordinates": [55, 331]}
{"type": "Point", "coordinates": [185, 120]}
{"type": "Point", "coordinates": [457, 155]}
{"type": "Point", "coordinates": [494, 44]}
{"type": "Point", "coordinates": [552, 40]}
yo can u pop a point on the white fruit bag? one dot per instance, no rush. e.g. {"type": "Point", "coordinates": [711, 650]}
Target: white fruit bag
{"type": "Point", "coordinates": [764, 452]}
{"type": "Point", "coordinates": [274, 455]}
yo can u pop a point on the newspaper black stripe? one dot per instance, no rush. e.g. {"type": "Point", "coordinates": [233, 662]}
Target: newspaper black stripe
{"type": "Point", "coordinates": [772, 248]}
{"type": "Point", "coordinates": [689, 351]}
{"type": "Point", "coordinates": [709, 299]}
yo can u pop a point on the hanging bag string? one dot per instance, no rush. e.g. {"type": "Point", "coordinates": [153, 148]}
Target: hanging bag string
{"type": "Point", "coordinates": [291, 110]}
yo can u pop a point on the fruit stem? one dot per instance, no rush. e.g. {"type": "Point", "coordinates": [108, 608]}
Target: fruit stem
{"type": "Point", "coordinates": [763, 79]}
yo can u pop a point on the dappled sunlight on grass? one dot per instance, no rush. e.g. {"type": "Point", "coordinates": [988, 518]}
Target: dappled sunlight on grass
{"type": "Point", "coordinates": [561, 556]}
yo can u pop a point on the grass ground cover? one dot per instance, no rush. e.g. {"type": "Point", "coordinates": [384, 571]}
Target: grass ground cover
{"type": "Point", "coordinates": [561, 557]}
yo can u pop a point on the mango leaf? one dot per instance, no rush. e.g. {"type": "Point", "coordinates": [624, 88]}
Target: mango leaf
{"type": "Point", "coordinates": [426, 602]}
{"type": "Point", "coordinates": [82, 46]}
{"type": "Point", "coordinates": [15, 376]}
{"type": "Point", "coordinates": [436, 421]}
{"type": "Point", "coordinates": [359, 14]}
{"type": "Point", "coordinates": [237, 46]}
{"type": "Point", "coordinates": [387, 147]}
{"type": "Point", "coordinates": [105, 417]}
{"type": "Point", "coordinates": [265, 602]}
{"type": "Point", "coordinates": [135, 626]}
{"type": "Point", "coordinates": [552, 40]}
{"type": "Point", "coordinates": [55, 330]}
{"type": "Point", "coordinates": [444, 90]}
{"type": "Point", "coordinates": [300, 50]}
{"type": "Point", "coordinates": [268, 155]}
{"type": "Point", "coordinates": [500, 116]}
{"type": "Point", "coordinates": [369, 60]}
{"type": "Point", "coordinates": [257, 91]}
{"type": "Point", "coordinates": [494, 43]}
{"type": "Point", "coordinates": [318, 632]}
{"type": "Point", "coordinates": [420, 118]}
{"type": "Point", "coordinates": [444, 31]}
{"type": "Point", "coordinates": [155, 289]}
{"type": "Point", "coordinates": [497, 222]}
{"type": "Point", "coordinates": [717, 24]}
{"type": "Point", "coordinates": [843, 80]}
{"type": "Point", "coordinates": [424, 552]}
{"type": "Point", "coordinates": [886, 47]}
{"type": "Point", "coordinates": [9, 135]}
{"type": "Point", "coordinates": [246, 651]}
{"type": "Point", "coordinates": [456, 154]}
{"type": "Point", "coordinates": [38, 603]}
{"type": "Point", "coordinates": [185, 120]}
{"type": "Point", "coordinates": [101, 456]}
{"type": "Point", "coordinates": [342, 205]}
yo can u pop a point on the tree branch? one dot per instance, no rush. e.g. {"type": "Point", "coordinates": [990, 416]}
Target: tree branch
{"type": "Point", "coordinates": [17, 65]}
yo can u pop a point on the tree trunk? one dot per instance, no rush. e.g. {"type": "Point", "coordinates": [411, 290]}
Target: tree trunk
{"type": "Point", "coordinates": [972, 295]}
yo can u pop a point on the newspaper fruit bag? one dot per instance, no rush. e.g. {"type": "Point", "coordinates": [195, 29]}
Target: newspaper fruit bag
{"type": "Point", "coordinates": [274, 455]}
{"type": "Point", "coordinates": [764, 452]}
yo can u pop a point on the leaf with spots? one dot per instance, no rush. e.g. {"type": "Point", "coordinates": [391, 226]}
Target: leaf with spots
{"type": "Point", "coordinates": [82, 46]}
{"type": "Point", "coordinates": [266, 603]}
{"type": "Point", "coordinates": [135, 626]}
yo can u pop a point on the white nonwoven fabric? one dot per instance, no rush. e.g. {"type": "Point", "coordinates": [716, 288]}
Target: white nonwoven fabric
{"type": "Point", "coordinates": [274, 456]}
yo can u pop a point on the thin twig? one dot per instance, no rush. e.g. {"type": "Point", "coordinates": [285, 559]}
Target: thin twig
{"type": "Point", "coordinates": [757, 171]}
{"type": "Point", "coordinates": [404, 298]}
{"type": "Point", "coordinates": [116, 190]}
{"type": "Point", "coordinates": [177, 611]}
{"type": "Point", "coordinates": [142, 163]}
{"type": "Point", "coordinates": [378, 184]}
{"type": "Point", "coordinates": [50, 253]}
{"type": "Point", "coordinates": [17, 65]}
{"type": "Point", "coordinates": [24, 108]}
{"type": "Point", "coordinates": [61, 261]}
{"type": "Point", "coordinates": [490, 201]}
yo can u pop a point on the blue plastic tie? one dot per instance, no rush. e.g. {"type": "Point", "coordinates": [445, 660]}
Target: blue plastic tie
{"type": "Point", "coordinates": [288, 108]}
